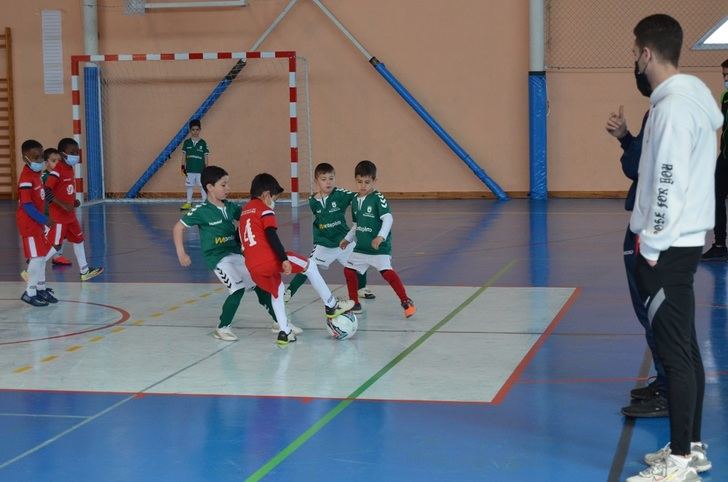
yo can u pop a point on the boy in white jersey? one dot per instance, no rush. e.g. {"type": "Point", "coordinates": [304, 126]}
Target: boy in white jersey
{"type": "Point", "coordinates": [372, 230]}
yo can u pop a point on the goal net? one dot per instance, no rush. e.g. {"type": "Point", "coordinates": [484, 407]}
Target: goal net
{"type": "Point", "coordinates": [253, 106]}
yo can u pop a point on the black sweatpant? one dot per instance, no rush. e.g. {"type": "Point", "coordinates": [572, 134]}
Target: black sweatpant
{"type": "Point", "coordinates": [721, 192]}
{"type": "Point", "coordinates": [667, 290]}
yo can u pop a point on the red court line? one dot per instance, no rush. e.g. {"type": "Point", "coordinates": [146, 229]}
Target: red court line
{"type": "Point", "coordinates": [124, 317]}
{"type": "Point", "coordinates": [501, 395]}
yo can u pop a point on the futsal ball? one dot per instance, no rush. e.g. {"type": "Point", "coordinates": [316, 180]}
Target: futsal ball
{"type": "Point", "coordinates": [343, 326]}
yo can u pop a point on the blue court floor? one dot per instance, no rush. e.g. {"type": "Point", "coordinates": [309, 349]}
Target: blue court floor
{"type": "Point", "coordinates": [515, 367]}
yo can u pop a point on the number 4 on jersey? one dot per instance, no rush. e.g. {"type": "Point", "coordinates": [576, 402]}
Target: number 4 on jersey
{"type": "Point", "coordinates": [248, 237]}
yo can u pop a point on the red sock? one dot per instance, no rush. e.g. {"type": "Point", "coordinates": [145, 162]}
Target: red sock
{"type": "Point", "coordinates": [352, 284]}
{"type": "Point", "coordinates": [396, 283]}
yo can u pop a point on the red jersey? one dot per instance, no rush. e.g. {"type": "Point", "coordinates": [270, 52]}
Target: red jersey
{"type": "Point", "coordinates": [255, 218]}
{"type": "Point", "coordinates": [62, 182]}
{"type": "Point", "coordinates": [30, 189]}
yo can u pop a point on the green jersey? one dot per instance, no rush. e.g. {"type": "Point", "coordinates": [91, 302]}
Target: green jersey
{"type": "Point", "coordinates": [329, 220]}
{"type": "Point", "coordinates": [195, 153]}
{"type": "Point", "coordinates": [217, 230]}
{"type": "Point", "coordinates": [367, 213]}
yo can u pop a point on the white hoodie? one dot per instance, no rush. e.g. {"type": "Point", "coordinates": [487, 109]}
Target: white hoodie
{"type": "Point", "coordinates": [675, 203]}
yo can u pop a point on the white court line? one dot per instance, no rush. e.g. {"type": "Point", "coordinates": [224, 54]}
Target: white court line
{"type": "Point", "coordinates": [40, 415]}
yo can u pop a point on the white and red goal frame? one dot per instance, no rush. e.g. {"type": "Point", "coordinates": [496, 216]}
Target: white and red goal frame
{"type": "Point", "coordinates": [76, 60]}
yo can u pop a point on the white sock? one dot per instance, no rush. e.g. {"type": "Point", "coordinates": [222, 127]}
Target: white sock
{"type": "Point", "coordinates": [189, 195]}
{"type": "Point", "coordinates": [51, 254]}
{"type": "Point", "coordinates": [58, 252]}
{"type": "Point", "coordinates": [279, 308]}
{"type": "Point", "coordinates": [318, 283]}
{"type": "Point", "coordinates": [679, 460]}
{"type": "Point", "coordinates": [35, 268]}
{"type": "Point", "coordinates": [80, 253]}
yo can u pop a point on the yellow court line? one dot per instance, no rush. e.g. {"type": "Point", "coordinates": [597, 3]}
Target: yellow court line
{"type": "Point", "coordinates": [173, 308]}
{"type": "Point", "coordinates": [189, 302]}
{"type": "Point", "coordinates": [205, 295]}
{"type": "Point", "coordinates": [118, 329]}
{"type": "Point", "coordinates": [74, 348]}
{"type": "Point", "coordinates": [96, 338]}
{"type": "Point", "coordinates": [23, 369]}
{"type": "Point", "coordinates": [138, 322]}
{"type": "Point", "coordinates": [49, 358]}
{"type": "Point", "coordinates": [156, 315]}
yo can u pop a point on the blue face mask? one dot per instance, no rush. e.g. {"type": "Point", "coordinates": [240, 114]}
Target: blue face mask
{"type": "Point", "coordinates": [72, 160]}
{"type": "Point", "coordinates": [34, 166]}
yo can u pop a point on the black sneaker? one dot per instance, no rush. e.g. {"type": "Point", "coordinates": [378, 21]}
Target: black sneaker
{"type": "Point", "coordinates": [341, 306]}
{"type": "Point", "coordinates": [47, 295]}
{"type": "Point", "coordinates": [715, 253]}
{"type": "Point", "coordinates": [357, 309]}
{"type": "Point", "coordinates": [656, 407]}
{"type": "Point", "coordinates": [285, 339]}
{"type": "Point", "coordinates": [33, 300]}
{"type": "Point", "coordinates": [646, 393]}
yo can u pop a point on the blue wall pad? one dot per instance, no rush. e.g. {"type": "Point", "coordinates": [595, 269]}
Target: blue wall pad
{"type": "Point", "coordinates": [537, 112]}
{"type": "Point", "coordinates": [94, 146]}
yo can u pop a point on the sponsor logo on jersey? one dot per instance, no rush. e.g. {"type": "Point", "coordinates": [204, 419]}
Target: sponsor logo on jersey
{"type": "Point", "coordinates": [364, 229]}
{"type": "Point", "coordinates": [215, 223]}
{"type": "Point", "coordinates": [224, 239]}
{"type": "Point", "coordinates": [329, 225]}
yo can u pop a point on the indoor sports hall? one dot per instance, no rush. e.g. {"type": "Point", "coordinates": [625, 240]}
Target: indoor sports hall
{"type": "Point", "coordinates": [486, 120]}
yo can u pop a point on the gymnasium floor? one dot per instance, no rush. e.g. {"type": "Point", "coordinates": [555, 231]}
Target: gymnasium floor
{"type": "Point", "coordinates": [523, 350]}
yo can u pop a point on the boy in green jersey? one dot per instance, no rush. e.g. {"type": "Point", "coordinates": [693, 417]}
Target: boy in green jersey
{"type": "Point", "coordinates": [215, 219]}
{"type": "Point", "coordinates": [329, 205]}
{"type": "Point", "coordinates": [195, 151]}
{"type": "Point", "coordinates": [372, 227]}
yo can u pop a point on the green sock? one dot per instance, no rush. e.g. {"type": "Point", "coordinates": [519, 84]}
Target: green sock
{"type": "Point", "coordinates": [297, 282]}
{"type": "Point", "coordinates": [264, 299]}
{"type": "Point", "coordinates": [362, 279]}
{"type": "Point", "coordinates": [230, 307]}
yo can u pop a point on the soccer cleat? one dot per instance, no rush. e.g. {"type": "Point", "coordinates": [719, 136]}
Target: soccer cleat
{"type": "Point", "coordinates": [185, 207]}
{"type": "Point", "coordinates": [715, 253]}
{"type": "Point", "coordinates": [367, 294]}
{"type": "Point", "coordinates": [409, 308]}
{"type": "Point", "coordinates": [225, 334]}
{"type": "Point", "coordinates": [357, 309]}
{"type": "Point", "coordinates": [646, 393]}
{"type": "Point", "coordinates": [47, 296]}
{"type": "Point", "coordinates": [287, 295]}
{"type": "Point", "coordinates": [666, 470]}
{"type": "Point", "coordinates": [61, 261]}
{"type": "Point", "coordinates": [285, 339]}
{"type": "Point", "coordinates": [698, 456]}
{"type": "Point", "coordinates": [653, 408]}
{"type": "Point", "coordinates": [91, 273]}
{"type": "Point", "coordinates": [33, 300]}
{"type": "Point", "coordinates": [341, 306]}
{"type": "Point", "coordinates": [296, 330]}
{"type": "Point", "coordinates": [24, 275]}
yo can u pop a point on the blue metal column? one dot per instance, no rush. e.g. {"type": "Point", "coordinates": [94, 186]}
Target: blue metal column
{"type": "Point", "coordinates": [94, 129]}
{"type": "Point", "coordinates": [537, 110]}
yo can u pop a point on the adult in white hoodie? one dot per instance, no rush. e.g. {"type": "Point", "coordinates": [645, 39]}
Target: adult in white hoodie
{"type": "Point", "coordinates": [674, 208]}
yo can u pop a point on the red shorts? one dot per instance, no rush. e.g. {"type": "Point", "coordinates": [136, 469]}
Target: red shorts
{"type": "Point", "coordinates": [70, 231]}
{"type": "Point", "coordinates": [268, 276]}
{"type": "Point", "coordinates": [36, 246]}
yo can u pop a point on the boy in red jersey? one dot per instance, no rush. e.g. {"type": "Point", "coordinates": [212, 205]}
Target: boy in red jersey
{"type": "Point", "coordinates": [61, 182]}
{"type": "Point", "coordinates": [52, 157]}
{"type": "Point", "coordinates": [266, 258]}
{"type": "Point", "coordinates": [32, 225]}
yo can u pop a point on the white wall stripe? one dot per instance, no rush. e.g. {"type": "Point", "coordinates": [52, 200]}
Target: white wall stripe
{"type": "Point", "coordinates": [125, 57]}
{"type": "Point", "coordinates": [294, 140]}
{"type": "Point", "coordinates": [268, 55]}
{"type": "Point", "coordinates": [291, 79]}
{"type": "Point", "coordinates": [292, 109]}
{"type": "Point", "coordinates": [210, 55]}
{"type": "Point", "coordinates": [154, 57]}
{"type": "Point", "coordinates": [74, 82]}
{"type": "Point", "coordinates": [76, 113]}
{"type": "Point", "coordinates": [239, 55]}
{"type": "Point", "coordinates": [182, 56]}
{"type": "Point", "coordinates": [97, 58]}
{"type": "Point", "coordinates": [294, 169]}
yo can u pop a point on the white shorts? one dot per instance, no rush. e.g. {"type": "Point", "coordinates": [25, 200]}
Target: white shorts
{"type": "Point", "coordinates": [231, 271]}
{"type": "Point", "coordinates": [324, 256]}
{"type": "Point", "coordinates": [193, 179]}
{"type": "Point", "coordinates": [361, 262]}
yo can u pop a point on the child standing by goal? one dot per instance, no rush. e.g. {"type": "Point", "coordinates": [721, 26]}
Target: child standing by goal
{"type": "Point", "coordinates": [196, 152]}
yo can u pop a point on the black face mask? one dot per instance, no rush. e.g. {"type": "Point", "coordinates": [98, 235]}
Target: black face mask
{"type": "Point", "coordinates": [643, 85]}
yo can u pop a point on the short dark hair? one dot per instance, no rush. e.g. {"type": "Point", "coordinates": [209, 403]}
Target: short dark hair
{"type": "Point", "coordinates": [30, 144]}
{"type": "Point", "coordinates": [323, 168]}
{"type": "Point", "coordinates": [65, 143]}
{"type": "Point", "coordinates": [366, 168]}
{"type": "Point", "coordinates": [210, 175]}
{"type": "Point", "coordinates": [661, 33]}
{"type": "Point", "coordinates": [264, 182]}
{"type": "Point", "coordinates": [49, 152]}
{"type": "Point", "coordinates": [725, 64]}
{"type": "Point", "coordinates": [195, 123]}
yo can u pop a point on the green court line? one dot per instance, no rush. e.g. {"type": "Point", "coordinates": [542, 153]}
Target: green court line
{"type": "Point", "coordinates": [331, 414]}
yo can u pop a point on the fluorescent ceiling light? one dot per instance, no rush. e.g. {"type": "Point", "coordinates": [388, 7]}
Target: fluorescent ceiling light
{"type": "Point", "coordinates": [714, 39]}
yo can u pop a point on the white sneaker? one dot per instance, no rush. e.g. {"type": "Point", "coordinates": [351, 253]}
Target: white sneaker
{"type": "Point", "coordinates": [341, 306]}
{"type": "Point", "coordinates": [287, 296]}
{"type": "Point", "coordinates": [275, 328]}
{"type": "Point", "coordinates": [367, 294]}
{"type": "Point", "coordinates": [225, 334]}
{"type": "Point", "coordinates": [698, 456]}
{"type": "Point", "coordinates": [666, 469]}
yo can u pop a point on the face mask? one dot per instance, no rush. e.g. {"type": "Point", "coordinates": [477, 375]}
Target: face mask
{"type": "Point", "coordinates": [72, 160]}
{"type": "Point", "coordinates": [643, 85]}
{"type": "Point", "coordinates": [34, 166]}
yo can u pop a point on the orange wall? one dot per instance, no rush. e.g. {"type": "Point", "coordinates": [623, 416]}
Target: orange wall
{"type": "Point", "coordinates": [466, 61]}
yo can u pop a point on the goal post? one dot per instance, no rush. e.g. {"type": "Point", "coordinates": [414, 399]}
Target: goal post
{"type": "Point", "coordinates": [93, 108]}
